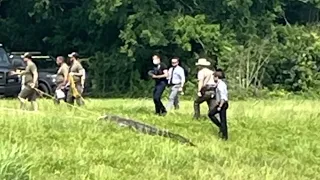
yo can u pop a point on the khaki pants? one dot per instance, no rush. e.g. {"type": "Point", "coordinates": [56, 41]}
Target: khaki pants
{"type": "Point", "coordinates": [173, 97]}
{"type": "Point", "coordinates": [28, 93]}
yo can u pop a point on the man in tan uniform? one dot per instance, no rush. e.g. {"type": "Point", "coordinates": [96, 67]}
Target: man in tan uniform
{"type": "Point", "coordinates": [206, 87]}
{"type": "Point", "coordinates": [30, 75]}
{"type": "Point", "coordinates": [77, 72]}
{"type": "Point", "coordinates": [62, 77]}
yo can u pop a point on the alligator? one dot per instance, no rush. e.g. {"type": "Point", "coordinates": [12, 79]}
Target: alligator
{"type": "Point", "coordinates": [146, 129]}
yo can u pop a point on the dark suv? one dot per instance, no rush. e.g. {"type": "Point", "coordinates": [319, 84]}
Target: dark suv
{"type": "Point", "coordinates": [9, 84]}
{"type": "Point", "coordinates": [46, 65]}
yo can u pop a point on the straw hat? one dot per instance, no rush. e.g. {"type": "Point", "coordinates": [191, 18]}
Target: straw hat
{"type": "Point", "coordinates": [203, 62]}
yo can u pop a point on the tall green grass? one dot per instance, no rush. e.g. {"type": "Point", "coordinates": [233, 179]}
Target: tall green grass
{"type": "Point", "coordinates": [271, 139]}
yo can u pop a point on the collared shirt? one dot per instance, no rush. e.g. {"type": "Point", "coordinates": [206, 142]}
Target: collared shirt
{"type": "Point", "coordinates": [206, 75]}
{"type": "Point", "coordinates": [221, 91]}
{"type": "Point", "coordinates": [176, 74]}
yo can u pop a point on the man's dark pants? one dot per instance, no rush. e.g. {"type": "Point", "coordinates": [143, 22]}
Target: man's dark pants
{"type": "Point", "coordinates": [157, 93]}
{"type": "Point", "coordinates": [209, 98]}
{"type": "Point", "coordinates": [222, 124]}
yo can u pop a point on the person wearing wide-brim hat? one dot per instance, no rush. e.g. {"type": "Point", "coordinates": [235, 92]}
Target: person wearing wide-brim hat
{"type": "Point", "coordinates": [206, 87]}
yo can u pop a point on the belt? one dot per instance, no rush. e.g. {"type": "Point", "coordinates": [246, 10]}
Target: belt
{"type": "Point", "coordinates": [209, 87]}
{"type": "Point", "coordinates": [174, 84]}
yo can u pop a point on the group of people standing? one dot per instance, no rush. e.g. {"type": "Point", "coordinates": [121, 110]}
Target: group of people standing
{"type": "Point", "coordinates": [211, 89]}
{"type": "Point", "coordinates": [74, 72]}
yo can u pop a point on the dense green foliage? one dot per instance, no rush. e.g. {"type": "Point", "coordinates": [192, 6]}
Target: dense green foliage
{"type": "Point", "coordinates": [260, 44]}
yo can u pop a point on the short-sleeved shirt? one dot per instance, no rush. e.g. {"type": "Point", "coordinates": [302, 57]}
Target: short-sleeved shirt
{"type": "Point", "coordinates": [62, 72]}
{"type": "Point", "coordinates": [29, 72]}
{"type": "Point", "coordinates": [76, 67]}
{"type": "Point", "coordinates": [221, 91]}
{"type": "Point", "coordinates": [159, 70]}
{"type": "Point", "coordinates": [206, 75]}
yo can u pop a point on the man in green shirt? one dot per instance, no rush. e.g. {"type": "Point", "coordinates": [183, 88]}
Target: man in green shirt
{"type": "Point", "coordinates": [30, 74]}
{"type": "Point", "coordinates": [76, 71]}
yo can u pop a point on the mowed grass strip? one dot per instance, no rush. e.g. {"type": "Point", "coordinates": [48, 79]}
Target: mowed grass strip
{"type": "Point", "coordinates": [274, 139]}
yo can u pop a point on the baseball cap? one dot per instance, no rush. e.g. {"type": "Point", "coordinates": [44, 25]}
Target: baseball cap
{"type": "Point", "coordinates": [27, 55]}
{"type": "Point", "coordinates": [73, 54]}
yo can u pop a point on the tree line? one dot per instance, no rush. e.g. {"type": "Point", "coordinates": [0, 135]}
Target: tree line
{"type": "Point", "coordinates": [259, 44]}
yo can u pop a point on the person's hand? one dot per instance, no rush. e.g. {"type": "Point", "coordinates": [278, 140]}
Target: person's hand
{"type": "Point", "coordinates": [12, 73]}
{"type": "Point", "coordinates": [199, 94]}
{"type": "Point", "coordinates": [154, 76]}
{"type": "Point", "coordinates": [71, 73]}
{"type": "Point", "coordinates": [219, 108]}
{"type": "Point", "coordinates": [32, 85]}
{"type": "Point", "coordinates": [180, 89]}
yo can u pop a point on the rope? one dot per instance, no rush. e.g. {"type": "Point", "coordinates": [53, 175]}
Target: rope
{"type": "Point", "coordinates": [75, 92]}
{"type": "Point", "coordinates": [79, 108]}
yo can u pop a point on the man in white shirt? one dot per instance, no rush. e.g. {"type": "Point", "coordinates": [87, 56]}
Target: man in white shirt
{"type": "Point", "coordinates": [221, 106]}
{"type": "Point", "coordinates": [176, 82]}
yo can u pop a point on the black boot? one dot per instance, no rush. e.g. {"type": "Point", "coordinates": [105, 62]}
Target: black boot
{"type": "Point", "coordinates": [196, 108]}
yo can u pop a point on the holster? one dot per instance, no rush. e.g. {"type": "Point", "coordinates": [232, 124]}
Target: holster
{"type": "Point", "coordinates": [208, 90]}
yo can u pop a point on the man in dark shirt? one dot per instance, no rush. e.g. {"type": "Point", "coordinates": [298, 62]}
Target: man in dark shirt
{"type": "Point", "coordinates": [160, 74]}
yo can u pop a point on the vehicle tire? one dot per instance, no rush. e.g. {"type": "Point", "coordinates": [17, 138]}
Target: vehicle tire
{"type": "Point", "coordinates": [42, 87]}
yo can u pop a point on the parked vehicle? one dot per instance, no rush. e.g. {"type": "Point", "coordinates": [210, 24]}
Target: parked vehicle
{"type": "Point", "coordinates": [9, 84]}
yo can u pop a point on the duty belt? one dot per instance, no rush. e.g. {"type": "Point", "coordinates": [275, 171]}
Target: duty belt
{"type": "Point", "coordinates": [209, 87]}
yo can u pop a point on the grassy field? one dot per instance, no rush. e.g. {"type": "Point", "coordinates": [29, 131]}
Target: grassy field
{"type": "Point", "coordinates": [275, 139]}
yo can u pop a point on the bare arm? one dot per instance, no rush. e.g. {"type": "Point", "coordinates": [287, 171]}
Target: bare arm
{"type": "Point", "coordinates": [35, 75]}
{"type": "Point", "coordinates": [65, 77]}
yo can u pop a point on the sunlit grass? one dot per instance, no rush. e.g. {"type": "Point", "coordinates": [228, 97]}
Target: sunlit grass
{"type": "Point", "coordinates": [272, 139]}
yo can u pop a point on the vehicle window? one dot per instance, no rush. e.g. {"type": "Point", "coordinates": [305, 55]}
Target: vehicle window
{"type": "Point", "coordinates": [3, 56]}
{"type": "Point", "coordinates": [17, 62]}
{"type": "Point", "coordinates": [45, 63]}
